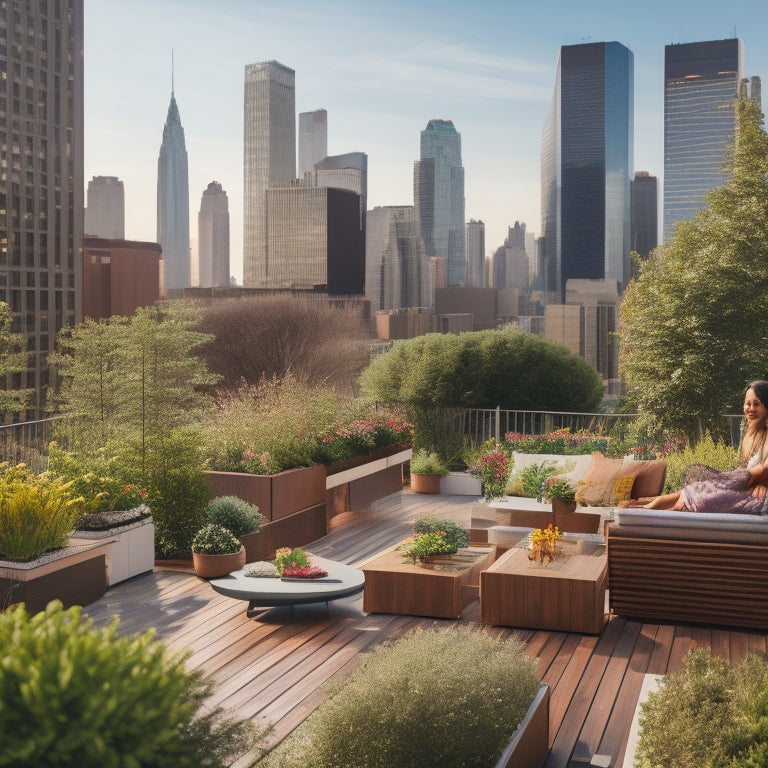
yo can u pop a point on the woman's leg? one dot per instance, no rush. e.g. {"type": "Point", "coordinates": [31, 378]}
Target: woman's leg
{"type": "Point", "coordinates": [667, 501]}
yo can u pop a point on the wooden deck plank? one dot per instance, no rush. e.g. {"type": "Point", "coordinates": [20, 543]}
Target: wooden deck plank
{"type": "Point", "coordinates": [275, 666]}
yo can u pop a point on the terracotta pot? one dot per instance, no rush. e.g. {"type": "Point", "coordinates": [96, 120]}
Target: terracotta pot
{"type": "Point", "coordinates": [425, 483]}
{"type": "Point", "coordinates": [213, 566]}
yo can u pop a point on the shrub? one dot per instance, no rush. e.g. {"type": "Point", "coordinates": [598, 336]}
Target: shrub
{"type": "Point", "coordinates": [234, 514]}
{"type": "Point", "coordinates": [561, 441]}
{"type": "Point", "coordinates": [456, 536]}
{"type": "Point", "coordinates": [492, 467]}
{"type": "Point", "coordinates": [75, 694]}
{"type": "Point", "coordinates": [708, 714]}
{"type": "Point", "coordinates": [37, 513]}
{"type": "Point", "coordinates": [214, 539]}
{"type": "Point", "coordinates": [716, 454]}
{"type": "Point", "coordinates": [422, 546]}
{"type": "Point", "coordinates": [451, 698]}
{"type": "Point", "coordinates": [428, 463]}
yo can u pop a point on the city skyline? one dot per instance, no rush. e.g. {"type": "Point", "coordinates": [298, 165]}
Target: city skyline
{"type": "Point", "coordinates": [489, 68]}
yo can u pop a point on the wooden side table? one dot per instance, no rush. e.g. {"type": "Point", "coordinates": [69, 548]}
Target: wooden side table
{"type": "Point", "coordinates": [567, 596]}
{"type": "Point", "coordinates": [442, 590]}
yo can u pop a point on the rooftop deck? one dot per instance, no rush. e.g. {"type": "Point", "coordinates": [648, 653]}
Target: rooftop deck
{"type": "Point", "coordinates": [272, 667]}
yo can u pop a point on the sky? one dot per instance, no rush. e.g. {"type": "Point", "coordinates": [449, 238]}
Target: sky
{"type": "Point", "coordinates": [382, 70]}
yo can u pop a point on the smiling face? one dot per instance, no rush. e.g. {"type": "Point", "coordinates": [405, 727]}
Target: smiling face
{"type": "Point", "coordinates": [754, 410]}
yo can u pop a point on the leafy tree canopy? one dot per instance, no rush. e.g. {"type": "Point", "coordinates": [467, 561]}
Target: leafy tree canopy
{"type": "Point", "coordinates": [13, 359]}
{"type": "Point", "coordinates": [693, 327]}
{"type": "Point", "coordinates": [483, 369]}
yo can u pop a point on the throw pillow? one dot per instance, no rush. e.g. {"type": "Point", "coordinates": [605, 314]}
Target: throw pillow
{"type": "Point", "coordinates": [597, 487]}
{"type": "Point", "coordinates": [649, 477]}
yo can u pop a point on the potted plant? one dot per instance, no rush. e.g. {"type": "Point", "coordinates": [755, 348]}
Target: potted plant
{"type": "Point", "coordinates": [493, 469]}
{"type": "Point", "coordinates": [562, 495]}
{"type": "Point", "coordinates": [216, 552]}
{"type": "Point", "coordinates": [239, 517]}
{"type": "Point", "coordinates": [426, 470]}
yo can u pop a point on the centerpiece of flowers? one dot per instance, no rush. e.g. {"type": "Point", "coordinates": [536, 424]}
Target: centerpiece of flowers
{"type": "Point", "coordinates": [544, 544]}
{"type": "Point", "coordinates": [294, 564]}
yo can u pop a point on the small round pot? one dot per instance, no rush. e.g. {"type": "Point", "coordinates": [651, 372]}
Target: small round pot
{"type": "Point", "coordinates": [563, 507]}
{"type": "Point", "coordinates": [425, 483]}
{"type": "Point", "coordinates": [214, 566]}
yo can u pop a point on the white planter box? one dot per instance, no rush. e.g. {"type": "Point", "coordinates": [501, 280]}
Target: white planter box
{"type": "Point", "coordinates": [461, 484]}
{"type": "Point", "coordinates": [131, 550]}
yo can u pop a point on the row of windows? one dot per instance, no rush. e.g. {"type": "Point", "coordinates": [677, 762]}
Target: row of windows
{"type": "Point", "coordinates": [16, 278]}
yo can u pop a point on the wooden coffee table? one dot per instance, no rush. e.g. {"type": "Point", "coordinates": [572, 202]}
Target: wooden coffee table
{"type": "Point", "coordinates": [442, 589]}
{"type": "Point", "coordinates": [567, 596]}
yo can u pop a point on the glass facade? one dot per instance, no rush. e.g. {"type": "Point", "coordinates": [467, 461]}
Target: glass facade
{"type": "Point", "coordinates": [439, 197]}
{"type": "Point", "coordinates": [41, 176]}
{"type": "Point", "coordinates": [173, 202]}
{"type": "Point", "coordinates": [213, 238]}
{"type": "Point", "coordinates": [313, 139]}
{"type": "Point", "coordinates": [587, 153]}
{"type": "Point", "coordinates": [269, 156]}
{"type": "Point", "coordinates": [701, 82]}
{"type": "Point", "coordinates": [645, 216]}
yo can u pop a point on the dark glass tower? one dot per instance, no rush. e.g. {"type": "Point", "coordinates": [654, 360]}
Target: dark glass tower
{"type": "Point", "coordinates": [41, 177]}
{"type": "Point", "coordinates": [586, 159]}
{"type": "Point", "coordinates": [701, 83]}
{"type": "Point", "coordinates": [173, 202]}
{"type": "Point", "coordinates": [645, 216]}
{"type": "Point", "coordinates": [439, 197]}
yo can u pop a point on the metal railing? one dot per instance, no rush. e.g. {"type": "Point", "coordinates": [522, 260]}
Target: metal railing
{"type": "Point", "coordinates": [27, 443]}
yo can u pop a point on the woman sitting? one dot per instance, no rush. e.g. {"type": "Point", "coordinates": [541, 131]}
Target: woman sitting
{"type": "Point", "coordinates": [742, 490]}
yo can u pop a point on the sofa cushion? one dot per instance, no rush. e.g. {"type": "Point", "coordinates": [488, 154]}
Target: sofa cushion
{"type": "Point", "coordinates": [649, 476]}
{"type": "Point", "coordinates": [601, 485]}
{"type": "Point", "coordinates": [571, 468]}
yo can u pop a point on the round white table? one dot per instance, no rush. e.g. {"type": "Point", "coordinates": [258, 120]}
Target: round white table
{"type": "Point", "coordinates": [342, 580]}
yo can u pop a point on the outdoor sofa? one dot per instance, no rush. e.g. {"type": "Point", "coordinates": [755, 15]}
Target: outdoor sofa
{"type": "Point", "coordinates": [699, 568]}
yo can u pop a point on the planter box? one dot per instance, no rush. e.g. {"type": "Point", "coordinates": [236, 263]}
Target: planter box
{"type": "Point", "coordinates": [277, 495]}
{"type": "Point", "coordinates": [529, 746]}
{"type": "Point", "coordinates": [76, 575]}
{"type": "Point", "coordinates": [131, 549]}
{"type": "Point", "coordinates": [461, 484]}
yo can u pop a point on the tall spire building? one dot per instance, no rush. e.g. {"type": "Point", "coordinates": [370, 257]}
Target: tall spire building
{"type": "Point", "coordinates": [41, 194]}
{"type": "Point", "coordinates": [269, 156]}
{"type": "Point", "coordinates": [173, 202]}
{"type": "Point", "coordinates": [439, 197]}
{"type": "Point", "coordinates": [586, 158]}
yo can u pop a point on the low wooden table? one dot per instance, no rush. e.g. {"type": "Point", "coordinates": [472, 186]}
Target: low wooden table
{"type": "Point", "coordinates": [566, 596]}
{"type": "Point", "coordinates": [442, 589]}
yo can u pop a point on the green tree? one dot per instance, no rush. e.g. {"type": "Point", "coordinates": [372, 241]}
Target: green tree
{"type": "Point", "coordinates": [13, 359]}
{"type": "Point", "coordinates": [692, 331]}
{"type": "Point", "coordinates": [432, 374]}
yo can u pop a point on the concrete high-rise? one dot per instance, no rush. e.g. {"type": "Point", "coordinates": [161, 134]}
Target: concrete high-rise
{"type": "Point", "coordinates": [397, 270]}
{"type": "Point", "coordinates": [41, 170]}
{"type": "Point", "coordinates": [645, 216]}
{"type": "Point", "coordinates": [701, 83]}
{"type": "Point", "coordinates": [586, 159]}
{"type": "Point", "coordinates": [439, 197]}
{"type": "Point", "coordinates": [105, 208]}
{"type": "Point", "coordinates": [475, 274]}
{"type": "Point", "coordinates": [213, 238]}
{"type": "Point", "coordinates": [173, 202]}
{"type": "Point", "coordinates": [313, 139]}
{"type": "Point", "coordinates": [269, 156]}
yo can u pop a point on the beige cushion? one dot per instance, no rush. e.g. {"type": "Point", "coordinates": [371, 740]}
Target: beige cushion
{"type": "Point", "coordinates": [570, 468]}
{"type": "Point", "coordinates": [601, 485]}
{"type": "Point", "coordinates": [649, 477]}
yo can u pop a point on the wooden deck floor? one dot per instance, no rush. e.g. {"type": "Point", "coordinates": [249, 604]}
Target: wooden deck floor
{"type": "Point", "coordinates": [272, 667]}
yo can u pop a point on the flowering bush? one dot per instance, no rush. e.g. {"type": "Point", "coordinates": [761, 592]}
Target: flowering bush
{"type": "Point", "coordinates": [456, 536]}
{"type": "Point", "coordinates": [213, 539]}
{"type": "Point", "coordinates": [285, 557]}
{"type": "Point", "coordinates": [276, 425]}
{"type": "Point", "coordinates": [561, 441]}
{"type": "Point", "coordinates": [557, 488]}
{"type": "Point", "coordinates": [493, 469]}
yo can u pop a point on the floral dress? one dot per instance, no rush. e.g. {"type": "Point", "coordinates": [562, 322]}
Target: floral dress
{"type": "Point", "coordinates": [724, 492]}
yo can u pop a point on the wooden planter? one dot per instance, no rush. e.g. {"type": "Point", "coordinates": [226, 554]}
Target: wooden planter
{"type": "Point", "coordinates": [254, 549]}
{"type": "Point", "coordinates": [76, 575]}
{"type": "Point", "coordinates": [529, 746]}
{"type": "Point", "coordinates": [425, 483]}
{"type": "Point", "coordinates": [277, 495]}
{"type": "Point", "coordinates": [214, 566]}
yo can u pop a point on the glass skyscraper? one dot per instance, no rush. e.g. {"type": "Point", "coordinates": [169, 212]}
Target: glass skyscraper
{"type": "Point", "coordinates": [701, 83]}
{"type": "Point", "coordinates": [213, 238]}
{"type": "Point", "coordinates": [173, 202]}
{"type": "Point", "coordinates": [439, 197]}
{"type": "Point", "coordinates": [586, 159]}
{"type": "Point", "coordinates": [313, 139]}
{"type": "Point", "coordinates": [41, 177]}
{"type": "Point", "coordinates": [269, 156]}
